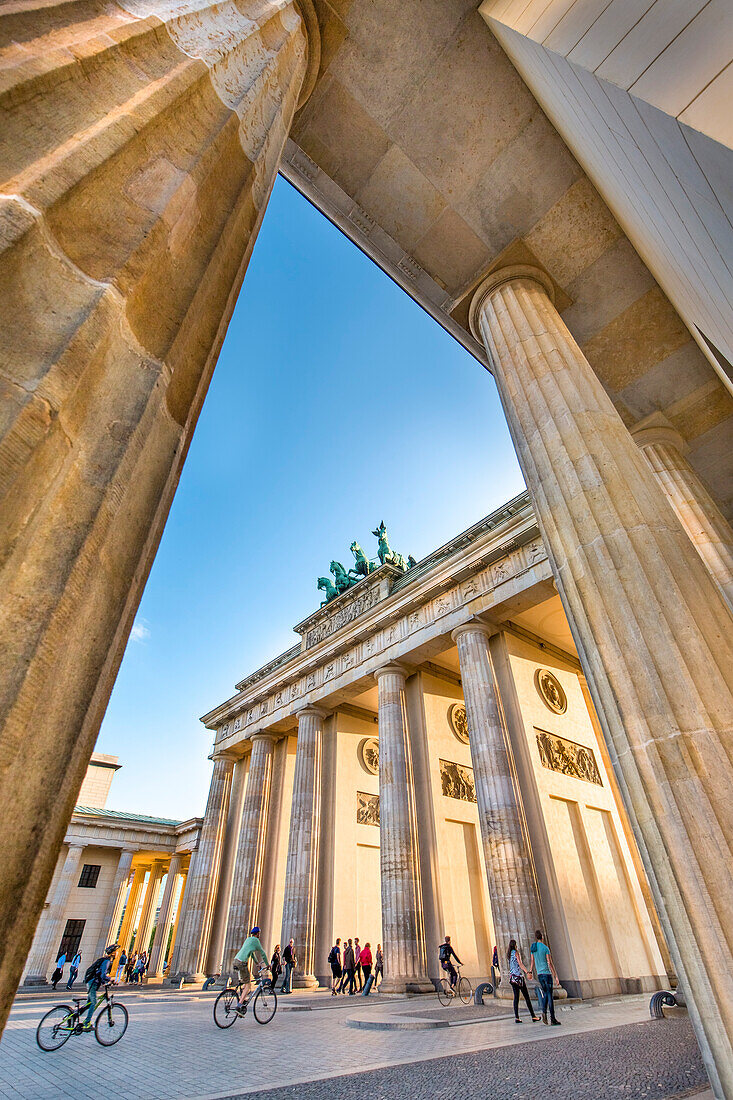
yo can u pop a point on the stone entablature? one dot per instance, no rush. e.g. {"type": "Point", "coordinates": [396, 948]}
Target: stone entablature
{"type": "Point", "coordinates": [91, 828]}
{"type": "Point", "coordinates": [483, 570]}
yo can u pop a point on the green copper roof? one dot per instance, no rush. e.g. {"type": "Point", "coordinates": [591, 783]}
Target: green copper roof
{"type": "Point", "coordinates": [119, 815]}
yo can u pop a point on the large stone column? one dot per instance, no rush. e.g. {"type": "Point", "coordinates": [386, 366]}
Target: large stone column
{"type": "Point", "coordinates": [111, 919]}
{"type": "Point", "coordinates": [301, 875]}
{"type": "Point", "coordinates": [220, 915]}
{"type": "Point", "coordinates": [246, 889]}
{"type": "Point", "coordinates": [150, 904]}
{"type": "Point", "coordinates": [652, 630]}
{"type": "Point", "coordinates": [199, 898]}
{"type": "Point", "coordinates": [711, 534]}
{"type": "Point", "coordinates": [141, 142]}
{"type": "Point", "coordinates": [515, 899]}
{"type": "Point", "coordinates": [133, 904]}
{"type": "Point", "coordinates": [160, 940]}
{"type": "Point", "coordinates": [46, 948]}
{"type": "Point", "coordinates": [403, 935]}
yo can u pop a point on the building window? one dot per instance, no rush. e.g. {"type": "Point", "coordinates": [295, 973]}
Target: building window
{"type": "Point", "coordinates": [89, 875]}
{"type": "Point", "coordinates": [71, 938]}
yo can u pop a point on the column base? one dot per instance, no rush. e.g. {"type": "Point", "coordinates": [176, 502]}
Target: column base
{"type": "Point", "coordinates": [305, 981]}
{"type": "Point", "coordinates": [407, 985]}
{"type": "Point", "coordinates": [36, 979]}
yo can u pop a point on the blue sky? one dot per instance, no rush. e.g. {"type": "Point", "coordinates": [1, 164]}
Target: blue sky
{"type": "Point", "coordinates": [336, 403]}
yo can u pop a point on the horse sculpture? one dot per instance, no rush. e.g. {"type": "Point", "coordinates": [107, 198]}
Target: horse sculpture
{"type": "Point", "coordinates": [341, 577]}
{"type": "Point", "coordinates": [363, 567]}
{"type": "Point", "coordinates": [324, 583]}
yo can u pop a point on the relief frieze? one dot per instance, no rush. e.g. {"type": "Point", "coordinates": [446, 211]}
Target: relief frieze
{"type": "Point", "coordinates": [367, 808]}
{"type": "Point", "coordinates": [560, 755]}
{"type": "Point", "coordinates": [343, 616]}
{"type": "Point", "coordinates": [457, 781]}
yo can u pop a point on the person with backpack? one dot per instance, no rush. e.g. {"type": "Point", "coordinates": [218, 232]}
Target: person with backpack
{"type": "Point", "coordinates": [74, 969]}
{"type": "Point", "coordinates": [97, 974]}
{"type": "Point", "coordinates": [445, 953]}
{"type": "Point", "coordinates": [334, 960]}
{"type": "Point", "coordinates": [59, 971]}
{"type": "Point", "coordinates": [546, 973]}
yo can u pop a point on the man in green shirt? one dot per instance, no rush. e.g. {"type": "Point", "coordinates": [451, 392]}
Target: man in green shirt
{"type": "Point", "coordinates": [251, 949]}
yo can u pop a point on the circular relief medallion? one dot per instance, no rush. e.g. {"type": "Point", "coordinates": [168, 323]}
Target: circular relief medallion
{"type": "Point", "coordinates": [369, 755]}
{"type": "Point", "coordinates": [458, 721]}
{"type": "Point", "coordinates": [551, 691]}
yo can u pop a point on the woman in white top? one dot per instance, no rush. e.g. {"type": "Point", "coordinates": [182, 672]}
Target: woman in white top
{"type": "Point", "coordinates": [517, 970]}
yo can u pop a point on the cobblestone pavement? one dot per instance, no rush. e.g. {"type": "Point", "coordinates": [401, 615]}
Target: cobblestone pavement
{"type": "Point", "coordinates": [173, 1050]}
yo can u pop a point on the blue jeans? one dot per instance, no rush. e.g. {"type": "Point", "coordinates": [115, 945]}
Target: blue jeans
{"type": "Point", "coordinates": [288, 979]}
{"type": "Point", "coordinates": [92, 988]}
{"type": "Point", "coordinates": [547, 1004]}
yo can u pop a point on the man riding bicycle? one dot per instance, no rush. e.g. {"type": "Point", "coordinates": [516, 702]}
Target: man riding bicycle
{"type": "Point", "coordinates": [445, 951]}
{"type": "Point", "coordinates": [97, 974]}
{"type": "Point", "coordinates": [251, 949]}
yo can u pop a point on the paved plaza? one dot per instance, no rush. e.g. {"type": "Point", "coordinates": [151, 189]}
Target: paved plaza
{"type": "Point", "coordinates": [172, 1049]}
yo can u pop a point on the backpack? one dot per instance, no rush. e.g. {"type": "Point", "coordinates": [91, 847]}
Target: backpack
{"type": "Point", "coordinates": [444, 952]}
{"type": "Point", "coordinates": [333, 957]}
{"type": "Point", "coordinates": [93, 972]}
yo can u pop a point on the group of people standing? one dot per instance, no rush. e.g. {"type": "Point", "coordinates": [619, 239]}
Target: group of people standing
{"type": "Point", "coordinates": [131, 968]}
{"type": "Point", "coordinates": [543, 967]}
{"type": "Point", "coordinates": [352, 967]}
{"type": "Point", "coordinates": [59, 970]}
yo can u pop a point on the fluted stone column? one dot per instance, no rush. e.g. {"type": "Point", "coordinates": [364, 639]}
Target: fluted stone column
{"type": "Point", "coordinates": [214, 964]}
{"type": "Point", "coordinates": [199, 899]}
{"type": "Point", "coordinates": [111, 919]}
{"type": "Point", "coordinates": [516, 908]}
{"type": "Point", "coordinates": [711, 534]}
{"type": "Point", "coordinates": [150, 904]}
{"type": "Point", "coordinates": [653, 633]}
{"type": "Point", "coordinates": [160, 940]}
{"type": "Point", "coordinates": [131, 908]}
{"type": "Point", "coordinates": [403, 935]}
{"type": "Point", "coordinates": [301, 875]}
{"type": "Point", "coordinates": [46, 948]}
{"type": "Point", "coordinates": [141, 142]}
{"type": "Point", "coordinates": [246, 890]}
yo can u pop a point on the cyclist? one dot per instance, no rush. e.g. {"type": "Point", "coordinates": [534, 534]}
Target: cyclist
{"type": "Point", "coordinates": [445, 951]}
{"type": "Point", "coordinates": [251, 949]}
{"type": "Point", "coordinates": [97, 974]}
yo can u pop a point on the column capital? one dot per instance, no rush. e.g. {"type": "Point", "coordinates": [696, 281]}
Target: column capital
{"type": "Point", "coordinates": [311, 711]}
{"type": "Point", "coordinates": [307, 12]}
{"type": "Point", "coordinates": [474, 626]}
{"type": "Point", "coordinates": [497, 279]}
{"type": "Point", "coordinates": [392, 668]}
{"type": "Point", "coordinates": [224, 754]}
{"type": "Point", "coordinates": [657, 429]}
{"type": "Point", "coordinates": [264, 735]}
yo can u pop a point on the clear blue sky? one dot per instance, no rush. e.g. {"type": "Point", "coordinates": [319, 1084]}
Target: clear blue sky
{"type": "Point", "coordinates": [336, 403]}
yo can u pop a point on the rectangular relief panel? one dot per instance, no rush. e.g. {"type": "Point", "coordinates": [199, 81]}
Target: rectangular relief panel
{"type": "Point", "coordinates": [457, 781]}
{"type": "Point", "coordinates": [568, 757]}
{"type": "Point", "coordinates": [367, 808]}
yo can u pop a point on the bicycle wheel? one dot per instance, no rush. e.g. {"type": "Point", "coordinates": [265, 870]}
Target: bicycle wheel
{"type": "Point", "coordinates": [465, 990]}
{"type": "Point", "coordinates": [225, 1008]}
{"type": "Point", "coordinates": [111, 1024]}
{"type": "Point", "coordinates": [264, 1005]}
{"type": "Point", "coordinates": [445, 994]}
{"type": "Point", "coordinates": [56, 1027]}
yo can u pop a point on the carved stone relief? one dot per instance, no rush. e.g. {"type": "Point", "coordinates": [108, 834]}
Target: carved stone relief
{"type": "Point", "coordinates": [369, 755]}
{"type": "Point", "coordinates": [457, 781]}
{"type": "Point", "coordinates": [551, 691]}
{"type": "Point", "coordinates": [458, 721]}
{"type": "Point", "coordinates": [560, 755]}
{"type": "Point", "coordinates": [367, 808]}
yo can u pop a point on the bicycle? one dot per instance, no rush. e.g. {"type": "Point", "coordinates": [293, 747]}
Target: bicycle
{"type": "Point", "coordinates": [263, 997]}
{"type": "Point", "coordinates": [448, 993]}
{"type": "Point", "coordinates": [63, 1021]}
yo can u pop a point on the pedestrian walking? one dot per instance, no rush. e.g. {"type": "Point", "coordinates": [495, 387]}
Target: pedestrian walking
{"type": "Point", "coordinates": [378, 964]}
{"type": "Point", "coordinates": [59, 971]}
{"type": "Point", "coordinates": [121, 967]}
{"type": "Point", "coordinates": [74, 969]}
{"type": "Point", "coordinates": [349, 966]}
{"type": "Point", "coordinates": [366, 965]}
{"type": "Point", "coordinates": [545, 970]}
{"type": "Point", "coordinates": [357, 964]}
{"type": "Point", "coordinates": [276, 965]}
{"type": "Point", "coordinates": [290, 961]}
{"type": "Point", "coordinates": [334, 960]}
{"type": "Point", "coordinates": [517, 971]}
{"type": "Point", "coordinates": [131, 960]}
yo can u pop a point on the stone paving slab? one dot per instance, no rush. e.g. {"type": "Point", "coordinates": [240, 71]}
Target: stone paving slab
{"type": "Point", "coordinates": [656, 1060]}
{"type": "Point", "coordinates": [172, 1050]}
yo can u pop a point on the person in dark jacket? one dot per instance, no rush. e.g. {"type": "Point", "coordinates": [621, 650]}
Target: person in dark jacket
{"type": "Point", "coordinates": [276, 966]}
{"type": "Point", "coordinates": [334, 960]}
{"type": "Point", "coordinates": [290, 961]}
{"type": "Point", "coordinates": [445, 953]}
{"type": "Point", "coordinates": [349, 969]}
